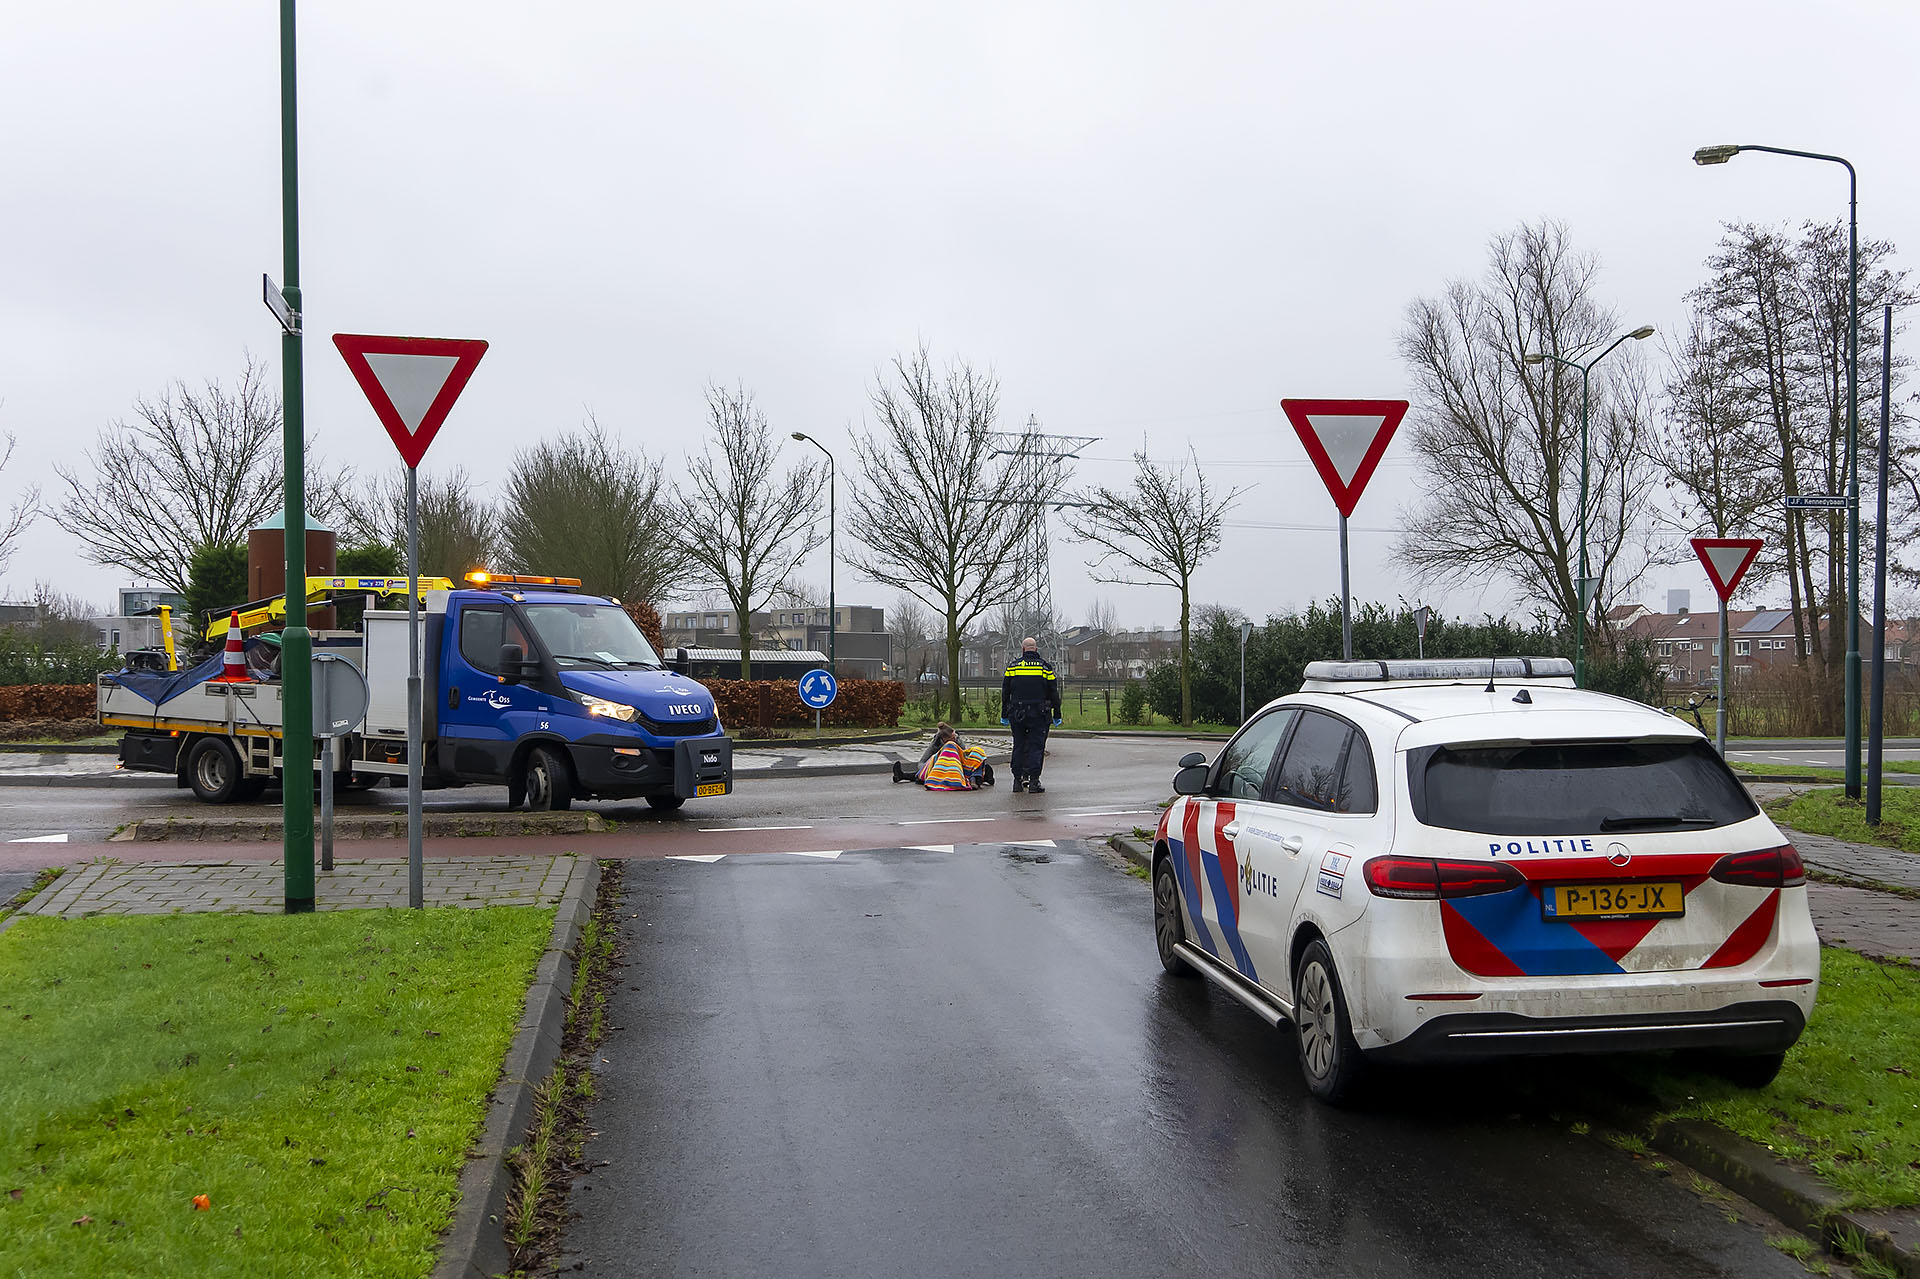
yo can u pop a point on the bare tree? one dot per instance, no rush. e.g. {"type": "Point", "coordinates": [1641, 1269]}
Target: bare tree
{"type": "Point", "coordinates": [912, 629]}
{"type": "Point", "coordinates": [743, 525]}
{"type": "Point", "coordinates": [197, 468]}
{"type": "Point", "coordinates": [459, 526]}
{"type": "Point", "coordinates": [1156, 533]}
{"type": "Point", "coordinates": [939, 515]}
{"type": "Point", "coordinates": [584, 506]}
{"type": "Point", "coordinates": [19, 515]}
{"type": "Point", "coordinates": [1103, 619]}
{"type": "Point", "coordinates": [1502, 442]}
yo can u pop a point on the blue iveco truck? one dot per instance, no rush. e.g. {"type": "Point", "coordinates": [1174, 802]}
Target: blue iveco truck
{"type": "Point", "coordinates": [526, 682]}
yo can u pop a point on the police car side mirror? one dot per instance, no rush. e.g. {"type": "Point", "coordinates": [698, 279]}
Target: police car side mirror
{"type": "Point", "coordinates": [1191, 758]}
{"type": "Point", "coordinates": [1191, 779]}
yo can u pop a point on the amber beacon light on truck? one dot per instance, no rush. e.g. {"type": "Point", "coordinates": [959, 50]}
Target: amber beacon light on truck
{"type": "Point", "coordinates": [483, 580]}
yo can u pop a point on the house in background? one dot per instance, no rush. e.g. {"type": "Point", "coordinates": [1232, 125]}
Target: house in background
{"type": "Point", "coordinates": [862, 648]}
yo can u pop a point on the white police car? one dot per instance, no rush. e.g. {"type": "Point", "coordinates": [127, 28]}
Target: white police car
{"type": "Point", "coordinates": [1453, 860]}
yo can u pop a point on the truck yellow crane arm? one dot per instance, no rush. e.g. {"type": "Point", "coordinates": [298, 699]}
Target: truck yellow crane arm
{"type": "Point", "coordinates": [320, 591]}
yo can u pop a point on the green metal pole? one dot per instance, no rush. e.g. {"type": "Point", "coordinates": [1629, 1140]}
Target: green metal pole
{"type": "Point", "coordinates": [1580, 586]}
{"type": "Point", "coordinates": [1853, 487]}
{"type": "Point", "coordinates": [296, 643]}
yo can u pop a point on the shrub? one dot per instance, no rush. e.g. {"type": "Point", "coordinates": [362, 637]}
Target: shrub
{"type": "Point", "coordinates": [47, 701]}
{"type": "Point", "coordinates": [1133, 703]}
{"type": "Point", "coordinates": [861, 703]}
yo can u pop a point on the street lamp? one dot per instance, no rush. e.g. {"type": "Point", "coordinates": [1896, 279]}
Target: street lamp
{"type": "Point", "coordinates": [1720, 155]}
{"type": "Point", "coordinates": [1581, 587]}
{"type": "Point", "coordinates": [833, 617]}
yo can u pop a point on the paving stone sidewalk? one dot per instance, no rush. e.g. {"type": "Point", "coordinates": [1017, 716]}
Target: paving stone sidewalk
{"type": "Point", "coordinates": [162, 888]}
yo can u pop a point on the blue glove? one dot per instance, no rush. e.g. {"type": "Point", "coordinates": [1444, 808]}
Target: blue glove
{"type": "Point", "coordinates": [1003, 719]}
{"type": "Point", "coordinates": [1056, 721]}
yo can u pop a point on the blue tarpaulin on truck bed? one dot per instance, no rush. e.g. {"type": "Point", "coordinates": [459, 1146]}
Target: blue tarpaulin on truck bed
{"type": "Point", "coordinates": [158, 686]}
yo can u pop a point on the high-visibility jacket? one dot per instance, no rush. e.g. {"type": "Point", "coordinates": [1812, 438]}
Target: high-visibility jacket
{"type": "Point", "coordinates": [1030, 682]}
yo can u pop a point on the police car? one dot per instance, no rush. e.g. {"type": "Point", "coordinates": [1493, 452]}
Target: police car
{"type": "Point", "coordinates": [1414, 861]}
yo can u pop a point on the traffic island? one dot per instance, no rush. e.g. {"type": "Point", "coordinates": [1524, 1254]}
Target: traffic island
{"type": "Point", "coordinates": [250, 1094]}
{"type": "Point", "coordinates": [243, 830]}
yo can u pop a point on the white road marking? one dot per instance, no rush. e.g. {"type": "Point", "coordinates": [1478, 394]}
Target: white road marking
{"type": "Point", "coordinates": [40, 839]}
{"type": "Point", "coordinates": [829, 854]}
{"type": "Point", "coordinates": [1110, 812]}
{"type": "Point", "coordinates": [721, 830]}
{"type": "Point", "coordinates": [945, 821]}
{"type": "Point", "coordinates": [1030, 843]}
{"type": "Point", "coordinates": [931, 848]}
{"type": "Point", "coordinates": [696, 857]}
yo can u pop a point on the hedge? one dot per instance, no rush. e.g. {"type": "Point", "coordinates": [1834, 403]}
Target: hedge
{"type": "Point", "coordinates": [862, 703]}
{"type": "Point", "coordinates": [47, 701]}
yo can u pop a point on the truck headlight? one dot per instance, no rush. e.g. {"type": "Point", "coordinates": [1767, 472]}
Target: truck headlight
{"type": "Point", "coordinates": [612, 710]}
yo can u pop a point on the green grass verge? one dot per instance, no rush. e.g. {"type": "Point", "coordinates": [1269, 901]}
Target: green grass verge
{"type": "Point", "coordinates": [1829, 812]}
{"type": "Point", "coordinates": [1846, 1103]}
{"type": "Point", "coordinates": [1803, 770]}
{"type": "Point", "coordinates": [317, 1077]}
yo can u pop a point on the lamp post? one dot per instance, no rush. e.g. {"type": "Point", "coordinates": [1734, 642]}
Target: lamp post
{"type": "Point", "coordinates": [1246, 629]}
{"type": "Point", "coordinates": [1581, 585]}
{"type": "Point", "coordinates": [1720, 155]}
{"type": "Point", "coordinates": [833, 618]}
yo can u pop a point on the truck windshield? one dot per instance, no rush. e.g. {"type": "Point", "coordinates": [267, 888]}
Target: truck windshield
{"type": "Point", "coordinates": [585, 634]}
{"type": "Point", "coordinates": [1576, 788]}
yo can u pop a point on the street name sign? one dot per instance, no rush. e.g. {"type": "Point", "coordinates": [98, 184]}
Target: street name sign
{"type": "Point", "coordinates": [277, 303]}
{"type": "Point", "coordinates": [1817, 502]}
{"type": "Point", "coordinates": [1726, 560]}
{"type": "Point", "coordinates": [1345, 439]}
{"type": "Point", "coordinates": [410, 382]}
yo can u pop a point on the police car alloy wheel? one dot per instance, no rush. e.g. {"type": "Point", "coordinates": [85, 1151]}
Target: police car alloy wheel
{"type": "Point", "coordinates": [1329, 1058]}
{"type": "Point", "coordinates": [1168, 931]}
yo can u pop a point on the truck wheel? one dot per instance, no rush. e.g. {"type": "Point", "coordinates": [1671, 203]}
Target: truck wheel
{"type": "Point", "coordinates": [665, 803]}
{"type": "Point", "coordinates": [213, 770]}
{"type": "Point", "coordinates": [548, 782]}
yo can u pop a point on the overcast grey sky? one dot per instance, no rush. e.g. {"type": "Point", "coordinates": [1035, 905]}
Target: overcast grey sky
{"type": "Point", "coordinates": [1152, 221]}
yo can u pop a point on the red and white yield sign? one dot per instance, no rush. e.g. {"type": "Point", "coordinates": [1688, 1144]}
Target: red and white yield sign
{"type": "Point", "coordinates": [1727, 560]}
{"type": "Point", "coordinates": [1345, 439]}
{"type": "Point", "coordinates": [411, 382]}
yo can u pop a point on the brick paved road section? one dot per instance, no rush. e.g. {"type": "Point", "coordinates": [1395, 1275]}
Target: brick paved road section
{"type": "Point", "coordinates": [164, 888]}
{"type": "Point", "coordinates": [1877, 924]}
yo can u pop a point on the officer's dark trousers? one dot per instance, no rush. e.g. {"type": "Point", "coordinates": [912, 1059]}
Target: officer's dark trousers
{"type": "Point", "coordinates": [1029, 740]}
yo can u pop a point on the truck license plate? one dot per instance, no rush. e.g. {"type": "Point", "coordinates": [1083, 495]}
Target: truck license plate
{"type": "Point", "coordinates": [1649, 900]}
{"type": "Point", "coordinates": [710, 788]}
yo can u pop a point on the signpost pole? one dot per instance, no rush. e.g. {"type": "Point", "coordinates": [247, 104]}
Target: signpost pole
{"type": "Point", "coordinates": [1246, 629]}
{"type": "Point", "coordinates": [1876, 702]}
{"type": "Point", "coordinates": [1346, 599]}
{"type": "Point", "coordinates": [326, 803]}
{"type": "Point", "coordinates": [296, 643]}
{"type": "Point", "coordinates": [416, 887]}
{"type": "Point", "coordinates": [1720, 705]}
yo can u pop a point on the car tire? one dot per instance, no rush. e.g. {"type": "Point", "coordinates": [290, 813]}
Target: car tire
{"type": "Point", "coordinates": [1748, 1070]}
{"type": "Point", "coordinates": [213, 770]}
{"type": "Point", "coordinates": [1330, 1060]}
{"type": "Point", "coordinates": [1168, 927]}
{"type": "Point", "coordinates": [665, 803]}
{"type": "Point", "coordinates": [548, 781]}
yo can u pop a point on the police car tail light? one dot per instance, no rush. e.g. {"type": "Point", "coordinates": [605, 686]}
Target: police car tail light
{"type": "Point", "coordinates": [1763, 868]}
{"type": "Point", "coordinates": [1430, 879]}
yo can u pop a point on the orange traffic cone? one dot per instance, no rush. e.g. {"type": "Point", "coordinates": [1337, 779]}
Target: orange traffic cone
{"type": "Point", "coordinates": [233, 664]}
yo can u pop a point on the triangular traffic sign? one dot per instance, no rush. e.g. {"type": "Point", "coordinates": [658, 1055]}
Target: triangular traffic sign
{"type": "Point", "coordinates": [1727, 560]}
{"type": "Point", "coordinates": [411, 382]}
{"type": "Point", "coordinates": [1345, 439]}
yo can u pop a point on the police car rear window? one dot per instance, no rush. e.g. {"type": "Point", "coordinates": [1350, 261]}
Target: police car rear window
{"type": "Point", "coordinates": [1576, 788]}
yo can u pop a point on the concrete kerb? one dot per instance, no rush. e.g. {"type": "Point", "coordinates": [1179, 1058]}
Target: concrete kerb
{"type": "Point", "coordinates": [1795, 1196]}
{"type": "Point", "coordinates": [474, 1246]}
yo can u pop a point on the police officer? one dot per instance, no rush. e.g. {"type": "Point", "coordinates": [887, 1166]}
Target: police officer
{"type": "Point", "coordinates": [1030, 704]}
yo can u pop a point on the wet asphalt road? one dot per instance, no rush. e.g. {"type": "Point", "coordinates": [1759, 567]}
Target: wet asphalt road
{"type": "Point", "coordinates": [970, 1063]}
